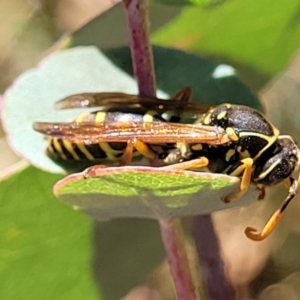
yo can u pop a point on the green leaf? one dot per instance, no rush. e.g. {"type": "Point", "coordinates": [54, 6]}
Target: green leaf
{"type": "Point", "coordinates": [45, 247]}
{"type": "Point", "coordinates": [260, 34]}
{"type": "Point", "coordinates": [33, 94]}
{"type": "Point", "coordinates": [146, 192]}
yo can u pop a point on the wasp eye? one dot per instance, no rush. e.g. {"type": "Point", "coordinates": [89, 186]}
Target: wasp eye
{"type": "Point", "coordinates": [285, 168]}
{"type": "Point", "coordinates": [274, 170]}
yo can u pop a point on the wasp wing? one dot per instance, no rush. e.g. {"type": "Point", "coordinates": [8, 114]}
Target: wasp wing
{"type": "Point", "coordinates": [180, 104]}
{"type": "Point", "coordinates": [97, 100]}
{"type": "Point", "coordinates": [154, 132]}
{"type": "Point", "coordinates": [103, 99]}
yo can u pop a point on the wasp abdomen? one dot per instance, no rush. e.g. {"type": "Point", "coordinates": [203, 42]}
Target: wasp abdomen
{"type": "Point", "coordinates": [64, 150]}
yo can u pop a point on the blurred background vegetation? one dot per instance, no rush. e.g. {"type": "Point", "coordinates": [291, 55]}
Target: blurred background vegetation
{"type": "Point", "coordinates": [49, 251]}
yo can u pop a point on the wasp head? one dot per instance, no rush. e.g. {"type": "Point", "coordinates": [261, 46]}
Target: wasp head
{"type": "Point", "coordinates": [278, 162]}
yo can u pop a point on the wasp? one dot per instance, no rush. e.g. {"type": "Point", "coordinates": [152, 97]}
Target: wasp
{"type": "Point", "coordinates": [127, 127]}
{"type": "Point", "coordinates": [231, 139]}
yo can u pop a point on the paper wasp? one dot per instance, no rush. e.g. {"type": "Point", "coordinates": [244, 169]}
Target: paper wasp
{"type": "Point", "coordinates": [232, 139]}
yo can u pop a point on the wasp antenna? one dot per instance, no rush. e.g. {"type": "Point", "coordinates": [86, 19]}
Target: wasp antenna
{"type": "Point", "coordinates": [252, 233]}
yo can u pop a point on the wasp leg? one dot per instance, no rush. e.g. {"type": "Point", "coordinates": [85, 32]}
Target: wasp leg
{"type": "Point", "coordinates": [246, 169]}
{"type": "Point", "coordinates": [92, 171]}
{"type": "Point", "coordinates": [262, 193]}
{"type": "Point", "coordinates": [191, 164]}
{"type": "Point", "coordinates": [126, 157]}
{"type": "Point", "coordinates": [141, 147]}
{"type": "Point", "coordinates": [252, 233]}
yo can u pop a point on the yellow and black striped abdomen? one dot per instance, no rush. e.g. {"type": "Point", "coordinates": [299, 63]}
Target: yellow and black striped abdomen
{"type": "Point", "coordinates": [79, 155]}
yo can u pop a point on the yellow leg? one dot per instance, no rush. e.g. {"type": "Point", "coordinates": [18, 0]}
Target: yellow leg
{"type": "Point", "coordinates": [141, 147]}
{"type": "Point", "coordinates": [126, 158]}
{"type": "Point", "coordinates": [144, 149]}
{"type": "Point", "coordinates": [246, 169]}
{"type": "Point", "coordinates": [92, 171]}
{"type": "Point", "coordinates": [252, 233]}
{"type": "Point", "coordinates": [191, 164]}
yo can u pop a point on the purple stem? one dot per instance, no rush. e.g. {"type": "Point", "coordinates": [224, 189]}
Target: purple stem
{"type": "Point", "coordinates": [209, 256]}
{"type": "Point", "coordinates": [142, 58]}
{"type": "Point", "coordinates": [174, 242]}
{"type": "Point", "coordinates": [141, 50]}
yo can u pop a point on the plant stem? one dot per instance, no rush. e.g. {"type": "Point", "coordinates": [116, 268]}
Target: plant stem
{"type": "Point", "coordinates": [141, 50]}
{"type": "Point", "coordinates": [171, 230]}
{"type": "Point", "coordinates": [210, 260]}
{"type": "Point", "coordinates": [174, 242]}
